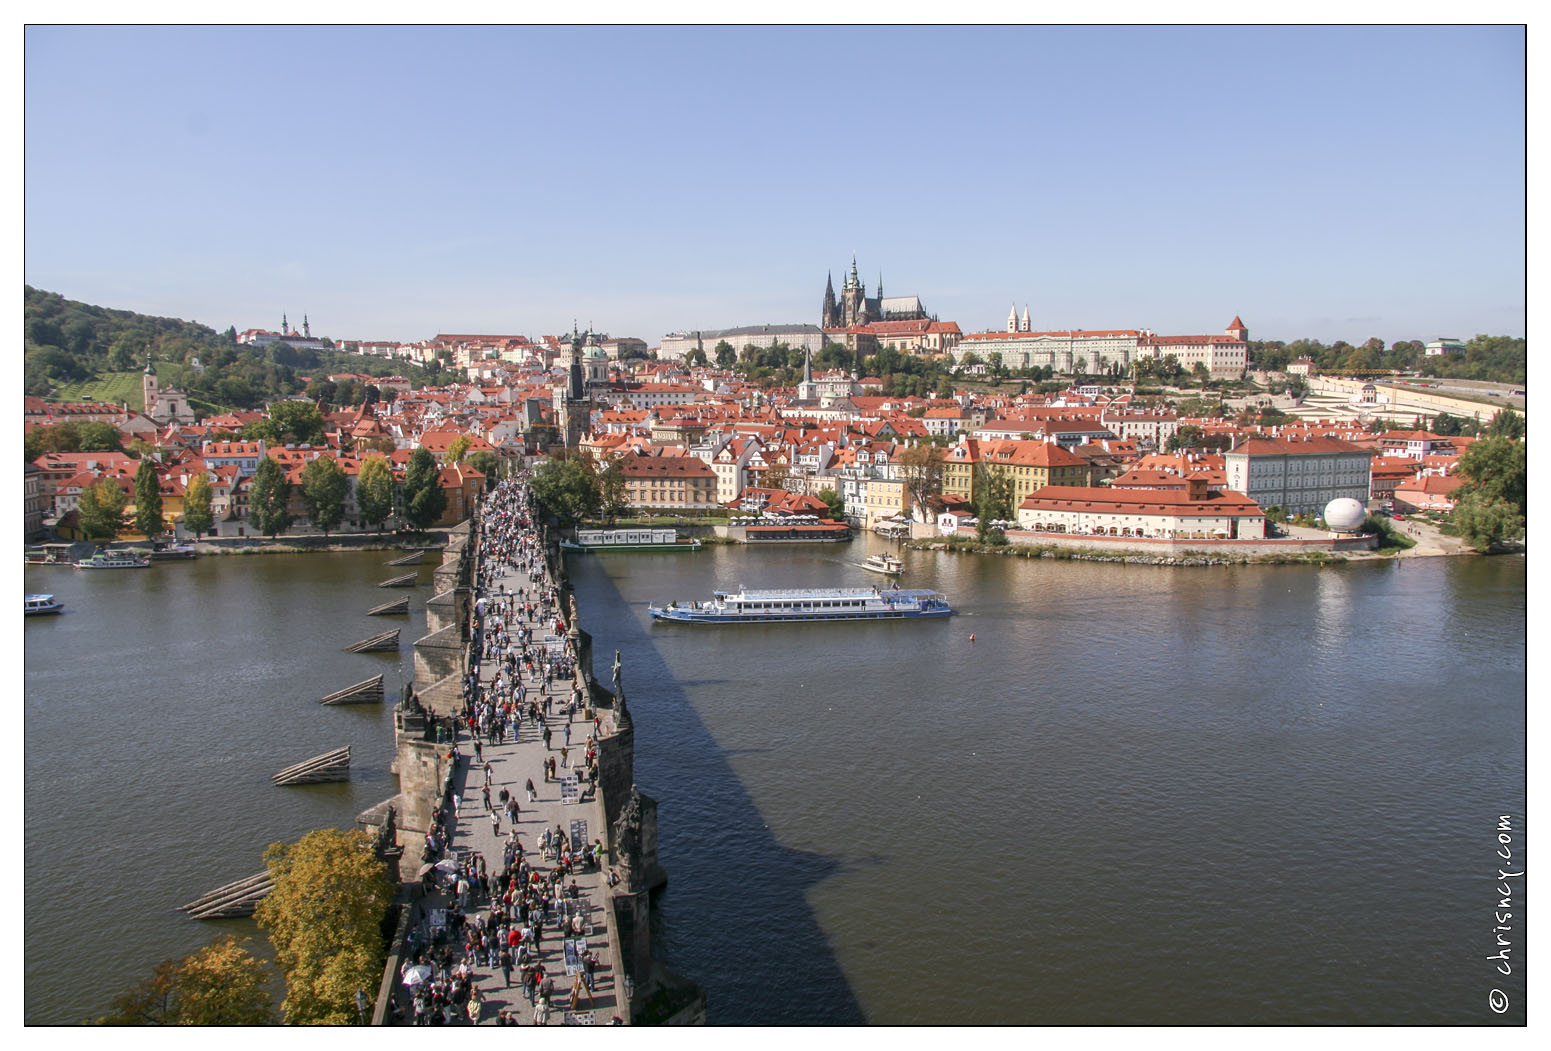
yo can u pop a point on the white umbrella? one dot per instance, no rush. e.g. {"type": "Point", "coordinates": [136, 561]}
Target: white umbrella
{"type": "Point", "coordinates": [417, 974]}
{"type": "Point", "coordinates": [448, 864]}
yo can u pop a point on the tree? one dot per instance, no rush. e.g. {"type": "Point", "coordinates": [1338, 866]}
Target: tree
{"type": "Point", "coordinates": [1486, 523]}
{"type": "Point", "coordinates": [152, 1002]}
{"type": "Point", "coordinates": [835, 502]}
{"type": "Point", "coordinates": [224, 984]}
{"type": "Point", "coordinates": [424, 498]}
{"type": "Point", "coordinates": [324, 487]}
{"type": "Point", "coordinates": [97, 437]}
{"type": "Point", "coordinates": [488, 464]}
{"type": "Point", "coordinates": [102, 510]}
{"type": "Point", "coordinates": [567, 488]}
{"type": "Point", "coordinates": [324, 917]}
{"type": "Point", "coordinates": [289, 421]}
{"type": "Point", "coordinates": [726, 356]}
{"type": "Point", "coordinates": [993, 501]}
{"type": "Point", "coordinates": [1490, 509]}
{"type": "Point", "coordinates": [269, 498]}
{"type": "Point", "coordinates": [148, 500]}
{"type": "Point", "coordinates": [1445, 425]}
{"type": "Point", "coordinates": [612, 491]}
{"type": "Point", "coordinates": [921, 468]}
{"type": "Point", "coordinates": [458, 447]}
{"type": "Point", "coordinates": [696, 357]}
{"type": "Point", "coordinates": [197, 518]}
{"type": "Point", "coordinates": [374, 490]}
{"type": "Point", "coordinates": [1505, 424]}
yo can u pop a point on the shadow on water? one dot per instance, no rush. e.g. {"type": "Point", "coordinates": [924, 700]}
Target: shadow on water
{"type": "Point", "coordinates": [752, 940]}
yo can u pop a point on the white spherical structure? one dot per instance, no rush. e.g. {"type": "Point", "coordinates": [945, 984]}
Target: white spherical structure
{"type": "Point", "coordinates": [1345, 515]}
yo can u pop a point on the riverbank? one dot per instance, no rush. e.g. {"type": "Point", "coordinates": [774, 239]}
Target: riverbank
{"type": "Point", "coordinates": [1300, 546]}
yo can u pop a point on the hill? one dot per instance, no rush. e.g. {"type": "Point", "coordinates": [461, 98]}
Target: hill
{"type": "Point", "coordinates": [73, 348]}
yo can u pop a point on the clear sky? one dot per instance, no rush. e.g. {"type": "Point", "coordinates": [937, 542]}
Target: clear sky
{"type": "Point", "coordinates": [395, 183]}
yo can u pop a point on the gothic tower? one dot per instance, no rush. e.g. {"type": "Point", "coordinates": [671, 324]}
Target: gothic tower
{"type": "Point", "coordinates": [853, 299]}
{"type": "Point", "coordinates": [829, 317]}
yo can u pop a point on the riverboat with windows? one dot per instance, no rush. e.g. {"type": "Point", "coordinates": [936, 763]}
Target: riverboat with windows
{"type": "Point", "coordinates": [630, 540]}
{"type": "Point", "coordinates": [806, 604]}
{"type": "Point", "coordinates": [113, 560]}
{"type": "Point", "coordinates": [41, 604]}
{"type": "Point", "coordinates": [886, 564]}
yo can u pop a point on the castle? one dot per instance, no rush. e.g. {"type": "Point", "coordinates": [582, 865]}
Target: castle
{"type": "Point", "coordinates": [855, 308]}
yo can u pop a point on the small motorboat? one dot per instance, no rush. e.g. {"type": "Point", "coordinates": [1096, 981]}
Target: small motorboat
{"type": "Point", "coordinates": [38, 605]}
{"type": "Point", "coordinates": [885, 564]}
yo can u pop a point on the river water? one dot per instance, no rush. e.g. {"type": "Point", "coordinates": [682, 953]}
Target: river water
{"type": "Point", "coordinates": [1141, 794]}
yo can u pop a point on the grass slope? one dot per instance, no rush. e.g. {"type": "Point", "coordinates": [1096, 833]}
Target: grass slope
{"type": "Point", "coordinates": [114, 387]}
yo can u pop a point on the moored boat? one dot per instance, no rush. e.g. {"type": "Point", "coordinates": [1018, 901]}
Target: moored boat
{"type": "Point", "coordinates": [886, 564]}
{"type": "Point", "coordinates": [630, 540]}
{"type": "Point", "coordinates": [806, 604]}
{"type": "Point", "coordinates": [41, 604]}
{"type": "Point", "coordinates": [113, 560]}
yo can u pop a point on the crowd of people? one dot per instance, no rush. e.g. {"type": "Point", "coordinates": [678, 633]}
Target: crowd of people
{"type": "Point", "coordinates": [495, 916]}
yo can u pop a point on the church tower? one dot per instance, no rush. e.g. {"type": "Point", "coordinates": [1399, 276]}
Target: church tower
{"type": "Point", "coordinates": [1025, 327]}
{"type": "Point", "coordinates": [853, 298]}
{"type": "Point", "coordinates": [1012, 319]}
{"type": "Point", "coordinates": [830, 316]}
{"type": "Point", "coordinates": [149, 386]}
{"type": "Point", "coordinates": [575, 406]}
{"type": "Point", "coordinates": [1237, 330]}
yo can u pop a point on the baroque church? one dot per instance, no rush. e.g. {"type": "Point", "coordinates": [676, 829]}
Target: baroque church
{"type": "Point", "coordinates": [855, 307]}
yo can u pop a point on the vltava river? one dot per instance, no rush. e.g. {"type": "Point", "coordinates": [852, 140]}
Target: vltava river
{"type": "Point", "coordinates": [1140, 795]}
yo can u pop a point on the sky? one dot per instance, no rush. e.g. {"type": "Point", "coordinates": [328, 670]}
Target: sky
{"type": "Point", "coordinates": [393, 183]}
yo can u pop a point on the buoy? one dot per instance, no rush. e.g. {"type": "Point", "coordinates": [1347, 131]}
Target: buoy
{"type": "Point", "coordinates": [972, 636]}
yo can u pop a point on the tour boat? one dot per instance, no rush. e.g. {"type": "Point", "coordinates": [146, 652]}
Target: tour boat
{"type": "Point", "coordinates": [630, 540]}
{"type": "Point", "coordinates": [39, 604]}
{"type": "Point", "coordinates": [886, 564]}
{"type": "Point", "coordinates": [113, 560]}
{"type": "Point", "coordinates": [802, 604]}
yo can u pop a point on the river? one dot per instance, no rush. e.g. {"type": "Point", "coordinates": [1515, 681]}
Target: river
{"type": "Point", "coordinates": [1141, 794]}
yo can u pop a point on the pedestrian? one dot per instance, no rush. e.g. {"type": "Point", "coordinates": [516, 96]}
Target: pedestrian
{"type": "Point", "coordinates": [495, 822]}
{"type": "Point", "coordinates": [565, 754]}
{"type": "Point", "coordinates": [568, 732]}
{"type": "Point", "coordinates": [456, 803]}
{"type": "Point", "coordinates": [546, 729]}
{"type": "Point", "coordinates": [506, 967]}
{"type": "Point", "coordinates": [532, 797]}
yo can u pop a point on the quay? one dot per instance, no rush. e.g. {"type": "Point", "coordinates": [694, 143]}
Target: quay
{"type": "Point", "coordinates": [504, 696]}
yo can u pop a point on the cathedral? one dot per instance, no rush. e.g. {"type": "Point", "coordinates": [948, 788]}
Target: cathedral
{"type": "Point", "coordinates": [855, 308]}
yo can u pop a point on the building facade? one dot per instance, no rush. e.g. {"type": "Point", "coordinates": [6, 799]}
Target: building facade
{"type": "Point", "coordinates": [1300, 476]}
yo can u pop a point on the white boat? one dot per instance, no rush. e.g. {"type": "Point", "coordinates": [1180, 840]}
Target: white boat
{"type": "Point", "coordinates": [113, 560]}
{"type": "Point", "coordinates": [805, 604]}
{"type": "Point", "coordinates": [630, 540]}
{"type": "Point", "coordinates": [886, 564]}
{"type": "Point", "coordinates": [40, 604]}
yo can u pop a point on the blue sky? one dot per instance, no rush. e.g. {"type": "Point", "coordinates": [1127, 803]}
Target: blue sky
{"type": "Point", "coordinates": [394, 183]}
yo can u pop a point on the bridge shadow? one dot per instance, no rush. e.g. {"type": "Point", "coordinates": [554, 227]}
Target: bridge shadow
{"type": "Point", "coordinates": [734, 915]}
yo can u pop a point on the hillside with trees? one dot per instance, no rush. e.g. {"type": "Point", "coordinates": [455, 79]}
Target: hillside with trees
{"type": "Point", "coordinates": [1499, 359]}
{"type": "Point", "coordinates": [68, 344]}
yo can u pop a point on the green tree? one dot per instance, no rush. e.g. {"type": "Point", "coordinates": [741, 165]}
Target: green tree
{"type": "Point", "coordinates": [1505, 424]}
{"type": "Point", "coordinates": [458, 447]}
{"type": "Point", "coordinates": [487, 463]}
{"type": "Point", "coordinates": [324, 488]}
{"type": "Point", "coordinates": [993, 501]}
{"type": "Point", "coordinates": [102, 510]}
{"type": "Point", "coordinates": [568, 489]}
{"type": "Point", "coordinates": [148, 500]}
{"type": "Point", "coordinates": [834, 502]}
{"type": "Point", "coordinates": [1445, 425]}
{"type": "Point", "coordinates": [269, 498]}
{"type": "Point", "coordinates": [1485, 522]}
{"type": "Point", "coordinates": [288, 422]}
{"type": "Point", "coordinates": [612, 491]}
{"type": "Point", "coordinates": [374, 490]}
{"type": "Point", "coordinates": [324, 918]}
{"type": "Point", "coordinates": [726, 356]}
{"type": "Point", "coordinates": [424, 498]}
{"type": "Point", "coordinates": [197, 518]}
{"type": "Point", "coordinates": [97, 437]}
{"type": "Point", "coordinates": [151, 1002]}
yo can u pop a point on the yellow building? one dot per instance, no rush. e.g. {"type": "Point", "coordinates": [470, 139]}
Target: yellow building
{"type": "Point", "coordinates": [882, 498]}
{"type": "Point", "coordinates": [1028, 465]}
